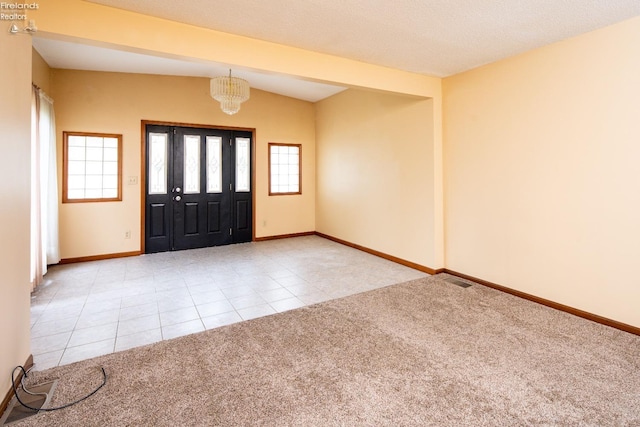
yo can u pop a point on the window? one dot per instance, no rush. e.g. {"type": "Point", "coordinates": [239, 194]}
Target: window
{"type": "Point", "coordinates": [243, 165]}
{"type": "Point", "coordinates": [158, 164]}
{"type": "Point", "coordinates": [92, 165]}
{"type": "Point", "coordinates": [284, 169]}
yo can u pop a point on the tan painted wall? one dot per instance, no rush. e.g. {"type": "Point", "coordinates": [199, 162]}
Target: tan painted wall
{"type": "Point", "coordinates": [542, 191]}
{"type": "Point", "coordinates": [375, 182]}
{"type": "Point", "coordinates": [116, 103]}
{"type": "Point", "coordinates": [15, 121]}
{"type": "Point", "coordinates": [41, 72]}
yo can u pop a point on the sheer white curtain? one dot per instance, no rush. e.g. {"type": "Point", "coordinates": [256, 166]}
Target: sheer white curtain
{"type": "Point", "coordinates": [44, 187]}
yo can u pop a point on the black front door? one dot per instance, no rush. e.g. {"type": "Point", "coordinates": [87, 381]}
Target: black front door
{"type": "Point", "coordinates": [198, 188]}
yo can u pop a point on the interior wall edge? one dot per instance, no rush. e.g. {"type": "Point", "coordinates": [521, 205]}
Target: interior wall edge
{"type": "Point", "coordinates": [284, 236]}
{"type": "Point", "coordinates": [395, 259]}
{"type": "Point", "coordinates": [7, 398]}
{"type": "Point", "coordinates": [99, 257]}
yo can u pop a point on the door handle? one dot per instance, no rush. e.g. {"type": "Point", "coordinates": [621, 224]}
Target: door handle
{"type": "Point", "coordinates": [177, 190]}
{"type": "Point", "coordinates": [177, 198]}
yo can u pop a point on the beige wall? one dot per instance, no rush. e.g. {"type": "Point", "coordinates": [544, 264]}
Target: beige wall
{"type": "Point", "coordinates": [542, 191]}
{"type": "Point", "coordinates": [15, 121]}
{"type": "Point", "coordinates": [41, 72]}
{"type": "Point", "coordinates": [116, 103]}
{"type": "Point", "coordinates": [375, 173]}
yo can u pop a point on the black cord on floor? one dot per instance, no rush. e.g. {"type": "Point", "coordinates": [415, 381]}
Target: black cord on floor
{"type": "Point", "coordinates": [24, 375]}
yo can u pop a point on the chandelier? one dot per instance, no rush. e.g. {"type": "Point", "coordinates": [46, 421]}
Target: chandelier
{"type": "Point", "coordinates": [230, 92]}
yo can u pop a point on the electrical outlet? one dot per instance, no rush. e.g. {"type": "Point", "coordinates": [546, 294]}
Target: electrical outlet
{"type": "Point", "coordinates": [127, 234]}
{"type": "Point", "coordinates": [133, 180]}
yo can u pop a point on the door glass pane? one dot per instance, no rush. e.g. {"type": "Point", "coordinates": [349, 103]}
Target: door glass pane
{"type": "Point", "coordinates": [158, 163]}
{"type": "Point", "coordinates": [214, 164]}
{"type": "Point", "coordinates": [191, 164]}
{"type": "Point", "coordinates": [243, 168]}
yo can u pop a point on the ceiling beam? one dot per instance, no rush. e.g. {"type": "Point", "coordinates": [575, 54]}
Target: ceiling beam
{"type": "Point", "coordinates": [90, 23]}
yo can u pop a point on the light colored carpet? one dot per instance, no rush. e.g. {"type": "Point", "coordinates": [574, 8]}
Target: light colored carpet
{"type": "Point", "coordinates": [424, 352]}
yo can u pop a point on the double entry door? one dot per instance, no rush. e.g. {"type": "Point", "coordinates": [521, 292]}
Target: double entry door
{"type": "Point", "coordinates": [198, 187]}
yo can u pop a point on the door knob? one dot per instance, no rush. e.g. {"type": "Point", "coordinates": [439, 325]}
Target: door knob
{"type": "Point", "coordinates": [177, 190]}
{"type": "Point", "coordinates": [177, 198]}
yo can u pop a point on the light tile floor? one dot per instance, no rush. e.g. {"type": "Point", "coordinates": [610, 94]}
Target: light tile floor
{"type": "Point", "coordinates": [89, 309]}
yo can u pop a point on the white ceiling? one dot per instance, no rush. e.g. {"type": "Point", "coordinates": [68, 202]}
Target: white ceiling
{"type": "Point", "coordinates": [74, 56]}
{"type": "Point", "coordinates": [432, 37]}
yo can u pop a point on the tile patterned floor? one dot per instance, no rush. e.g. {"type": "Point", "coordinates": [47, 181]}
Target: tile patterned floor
{"type": "Point", "coordinates": [89, 309]}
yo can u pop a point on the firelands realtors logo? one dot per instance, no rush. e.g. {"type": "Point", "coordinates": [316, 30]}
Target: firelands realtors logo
{"type": "Point", "coordinates": [16, 11]}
